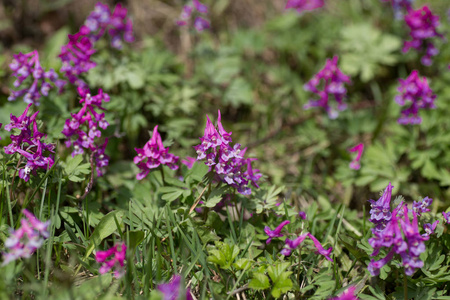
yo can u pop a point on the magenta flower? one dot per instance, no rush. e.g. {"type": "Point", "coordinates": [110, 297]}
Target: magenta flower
{"type": "Point", "coordinates": [188, 162]}
{"type": "Point", "coordinates": [171, 290]}
{"type": "Point", "coordinates": [28, 143]}
{"type": "Point", "coordinates": [359, 150]}
{"type": "Point", "coordinates": [276, 232]}
{"type": "Point", "coordinates": [26, 66]}
{"type": "Point", "coordinates": [302, 215]}
{"type": "Point", "coordinates": [302, 5]}
{"type": "Point", "coordinates": [153, 155]}
{"type": "Point", "coordinates": [349, 294]}
{"type": "Point", "coordinates": [293, 244]}
{"type": "Point", "coordinates": [333, 85]}
{"type": "Point", "coordinates": [380, 212]}
{"type": "Point", "coordinates": [116, 256]}
{"type": "Point", "coordinates": [423, 25]}
{"type": "Point", "coordinates": [417, 91]}
{"type": "Point", "coordinates": [24, 241]}
{"type": "Point", "coordinates": [83, 128]}
{"type": "Point", "coordinates": [399, 6]}
{"type": "Point", "coordinates": [76, 55]}
{"type": "Point", "coordinates": [200, 23]}
{"type": "Point", "coordinates": [228, 162]}
{"type": "Point", "coordinates": [429, 228]}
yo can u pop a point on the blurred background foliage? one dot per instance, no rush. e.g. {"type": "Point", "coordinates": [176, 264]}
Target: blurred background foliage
{"type": "Point", "coordinates": [252, 65]}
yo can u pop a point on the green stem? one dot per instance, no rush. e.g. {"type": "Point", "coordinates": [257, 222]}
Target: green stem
{"type": "Point", "coordinates": [405, 285]}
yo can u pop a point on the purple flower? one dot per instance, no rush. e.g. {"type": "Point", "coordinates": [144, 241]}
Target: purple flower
{"type": "Point", "coordinates": [380, 212]}
{"type": "Point", "coordinates": [116, 256]}
{"type": "Point", "coordinates": [359, 150]}
{"type": "Point", "coordinates": [293, 244]}
{"type": "Point", "coordinates": [76, 55]}
{"type": "Point", "coordinates": [399, 5]}
{"type": "Point", "coordinates": [417, 91]}
{"type": "Point", "coordinates": [302, 5]}
{"type": "Point", "coordinates": [83, 128]}
{"type": "Point", "coordinates": [334, 80]}
{"type": "Point", "coordinates": [302, 215]}
{"type": "Point", "coordinates": [429, 228]}
{"type": "Point", "coordinates": [423, 25]}
{"type": "Point", "coordinates": [24, 241]}
{"type": "Point", "coordinates": [421, 207]}
{"type": "Point", "coordinates": [28, 143]}
{"type": "Point", "coordinates": [189, 162]}
{"type": "Point", "coordinates": [228, 162]}
{"type": "Point", "coordinates": [200, 23]}
{"type": "Point", "coordinates": [349, 294]}
{"type": "Point", "coordinates": [153, 155]}
{"type": "Point", "coordinates": [276, 232]}
{"type": "Point", "coordinates": [446, 217]}
{"type": "Point", "coordinates": [26, 66]}
{"type": "Point", "coordinates": [171, 290]}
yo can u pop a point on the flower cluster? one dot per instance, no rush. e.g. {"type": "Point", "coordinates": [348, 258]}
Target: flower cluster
{"type": "Point", "coordinates": [402, 237]}
{"type": "Point", "coordinates": [228, 162]}
{"type": "Point", "coordinates": [399, 5]}
{"type": "Point", "coordinates": [171, 290]}
{"type": "Point", "coordinates": [76, 55]}
{"type": "Point", "coordinates": [359, 150]}
{"type": "Point", "coordinates": [24, 241]}
{"type": "Point", "coordinates": [446, 217]}
{"type": "Point", "coordinates": [302, 5]}
{"type": "Point", "coordinates": [421, 206]}
{"type": "Point", "coordinates": [423, 25]}
{"type": "Point", "coordinates": [26, 66]}
{"type": "Point", "coordinates": [380, 212]}
{"type": "Point", "coordinates": [117, 24]}
{"type": "Point", "coordinates": [28, 143]}
{"type": "Point", "coordinates": [84, 138]}
{"type": "Point", "coordinates": [117, 255]}
{"type": "Point", "coordinates": [153, 155]}
{"type": "Point", "coordinates": [334, 81]}
{"type": "Point", "coordinates": [200, 23]}
{"type": "Point", "coordinates": [291, 245]}
{"type": "Point", "coordinates": [418, 92]}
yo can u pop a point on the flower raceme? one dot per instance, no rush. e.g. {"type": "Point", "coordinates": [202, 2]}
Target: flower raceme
{"type": "Point", "coordinates": [333, 86]}
{"type": "Point", "coordinates": [227, 162]}
{"type": "Point", "coordinates": [26, 66]}
{"type": "Point", "coordinates": [83, 128]}
{"type": "Point", "coordinates": [28, 143]}
{"type": "Point", "coordinates": [200, 23]}
{"type": "Point", "coordinates": [380, 212]}
{"type": "Point", "coordinates": [24, 241]}
{"type": "Point", "coordinates": [171, 290]}
{"type": "Point", "coordinates": [359, 150]}
{"type": "Point", "coordinates": [417, 91]}
{"type": "Point", "coordinates": [153, 155]}
{"type": "Point", "coordinates": [423, 28]}
{"type": "Point", "coordinates": [302, 5]}
{"type": "Point", "coordinates": [116, 256]}
{"type": "Point", "coordinates": [76, 55]}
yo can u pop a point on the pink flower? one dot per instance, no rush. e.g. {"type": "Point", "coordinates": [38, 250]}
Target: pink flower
{"type": "Point", "coordinates": [24, 241]}
{"type": "Point", "coordinates": [153, 155]}
{"type": "Point", "coordinates": [200, 23]}
{"type": "Point", "coordinates": [333, 86]}
{"type": "Point", "coordinates": [349, 294]}
{"type": "Point", "coordinates": [117, 255]}
{"type": "Point", "coordinates": [359, 150]}
{"type": "Point", "coordinates": [276, 232]}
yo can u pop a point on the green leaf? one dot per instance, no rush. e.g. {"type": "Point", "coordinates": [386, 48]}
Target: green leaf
{"type": "Point", "coordinates": [74, 168]}
{"type": "Point", "coordinates": [282, 285]}
{"type": "Point", "coordinates": [259, 282]}
{"type": "Point", "coordinates": [105, 228]}
{"type": "Point", "coordinates": [223, 254]}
